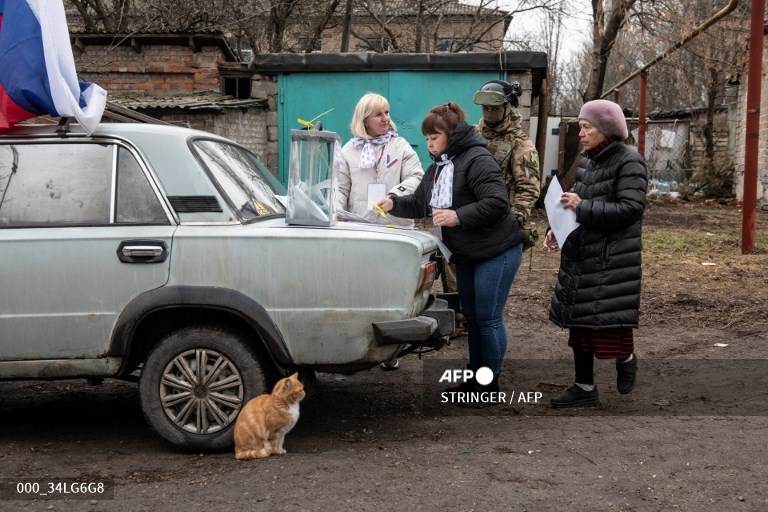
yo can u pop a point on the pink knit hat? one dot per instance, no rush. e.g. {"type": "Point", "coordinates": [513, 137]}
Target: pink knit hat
{"type": "Point", "coordinates": [607, 117]}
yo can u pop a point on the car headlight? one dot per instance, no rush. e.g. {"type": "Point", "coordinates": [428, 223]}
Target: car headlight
{"type": "Point", "coordinates": [428, 274]}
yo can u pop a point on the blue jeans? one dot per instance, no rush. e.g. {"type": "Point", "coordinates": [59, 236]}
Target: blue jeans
{"type": "Point", "coordinates": [483, 290]}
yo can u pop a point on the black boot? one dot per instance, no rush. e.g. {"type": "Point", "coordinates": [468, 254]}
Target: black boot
{"type": "Point", "coordinates": [486, 395]}
{"type": "Point", "coordinates": [493, 386]}
{"type": "Point", "coordinates": [626, 374]}
{"type": "Point", "coordinates": [464, 386]}
{"type": "Point", "coordinates": [576, 396]}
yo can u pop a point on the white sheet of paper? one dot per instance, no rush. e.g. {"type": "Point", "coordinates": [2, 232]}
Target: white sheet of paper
{"type": "Point", "coordinates": [438, 234]}
{"type": "Point", "coordinates": [376, 191]}
{"type": "Point", "coordinates": [344, 214]}
{"type": "Point", "coordinates": [561, 220]}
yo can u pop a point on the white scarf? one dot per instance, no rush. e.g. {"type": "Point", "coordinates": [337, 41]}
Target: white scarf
{"type": "Point", "coordinates": [367, 157]}
{"type": "Point", "coordinates": [442, 192]}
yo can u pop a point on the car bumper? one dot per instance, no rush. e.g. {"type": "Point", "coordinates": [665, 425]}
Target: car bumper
{"type": "Point", "coordinates": [432, 328]}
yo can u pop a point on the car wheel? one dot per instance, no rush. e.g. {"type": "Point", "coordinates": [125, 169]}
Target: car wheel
{"type": "Point", "coordinates": [194, 384]}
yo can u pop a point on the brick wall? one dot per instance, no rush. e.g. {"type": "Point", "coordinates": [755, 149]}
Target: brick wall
{"type": "Point", "coordinates": [697, 140]}
{"type": "Point", "coordinates": [248, 127]}
{"type": "Point", "coordinates": [265, 87]}
{"type": "Point", "coordinates": [156, 70]}
{"type": "Point", "coordinates": [738, 124]}
{"type": "Point", "coordinates": [168, 70]}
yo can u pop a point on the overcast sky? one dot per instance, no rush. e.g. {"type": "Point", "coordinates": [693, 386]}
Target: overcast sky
{"type": "Point", "coordinates": [576, 28]}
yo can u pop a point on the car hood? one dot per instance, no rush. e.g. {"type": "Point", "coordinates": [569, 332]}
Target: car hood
{"type": "Point", "coordinates": [426, 240]}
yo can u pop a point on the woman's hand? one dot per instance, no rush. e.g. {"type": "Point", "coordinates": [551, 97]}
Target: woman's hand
{"type": "Point", "coordinates": [570, 200]}
{"type": "Point", "coordinates": [447, 218]}
{"type": "Point", "coordinates": [550, 242]}
{"type": "Point", "coordinates": [385, 204]}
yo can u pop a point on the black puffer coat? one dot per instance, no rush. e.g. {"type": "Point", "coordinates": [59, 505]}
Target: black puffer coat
{"type": "Point", "coordinates": [598, 285]}
{"type": "Point", "coordinates": [487, 227]}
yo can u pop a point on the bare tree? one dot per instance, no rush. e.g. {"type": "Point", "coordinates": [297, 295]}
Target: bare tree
{"type": "Point", "coordinates": [322, 25]}
{"type": "Point", "coordinates": [420, 25]}
{"type": "Point", "coordinates": [298, 25]}
{"type": "Point", "coordinates": [346, 26]}
{"type": "Point", "coordinates": [608, 18]}
{"type": "Point", "coordinates": [696, 74]}
{"type": "Point", "coordinates": [106, 15]}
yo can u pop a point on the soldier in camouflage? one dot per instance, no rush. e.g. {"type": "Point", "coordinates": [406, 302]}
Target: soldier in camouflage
{"type": "Point", "coordinates": [513, 149]}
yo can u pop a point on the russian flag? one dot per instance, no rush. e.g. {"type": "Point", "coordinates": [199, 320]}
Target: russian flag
{"type": "Point", "coordinates": [37, 68]}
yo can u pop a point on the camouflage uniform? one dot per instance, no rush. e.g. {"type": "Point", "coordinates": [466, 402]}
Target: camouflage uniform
{"type": "Point", "coordinates": [519, 162]}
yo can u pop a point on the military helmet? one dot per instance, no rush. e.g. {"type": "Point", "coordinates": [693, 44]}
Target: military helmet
{"type": "Point", "coordinates": [497, 92]}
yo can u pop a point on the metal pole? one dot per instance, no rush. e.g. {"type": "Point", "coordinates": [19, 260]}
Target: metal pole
{"type": "Point", "coordinates": [641, 113]}
{"type": "Point", "coordinates": [749, 207]}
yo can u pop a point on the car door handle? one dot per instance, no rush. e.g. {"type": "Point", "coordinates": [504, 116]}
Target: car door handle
{"type": "Point", "coordinates": [142, 251]}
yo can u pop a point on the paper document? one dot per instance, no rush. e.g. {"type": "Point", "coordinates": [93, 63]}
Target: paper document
{"type": "Point", "coordinates": [345, 215]}
{"type": "Point", "coordinates": [561, 220]}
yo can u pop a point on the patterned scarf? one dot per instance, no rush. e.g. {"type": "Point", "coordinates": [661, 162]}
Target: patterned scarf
{"type": "Point", "coordinates": [442, 192]}
{"type": "Point", "coordinates": [367, 157]}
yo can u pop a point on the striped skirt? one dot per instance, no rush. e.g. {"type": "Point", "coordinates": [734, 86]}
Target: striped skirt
{"type": "Point", "coordinates": [616, 343]}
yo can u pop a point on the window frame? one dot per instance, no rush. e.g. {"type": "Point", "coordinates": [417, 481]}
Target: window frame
{"type": "Point", "coordinates": [115, 145]}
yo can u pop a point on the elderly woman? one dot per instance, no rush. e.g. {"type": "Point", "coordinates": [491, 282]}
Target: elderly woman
{"type": "Point", "coordinates": [597, 295]}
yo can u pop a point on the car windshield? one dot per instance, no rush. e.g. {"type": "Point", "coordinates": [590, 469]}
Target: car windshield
{"type": "Point", "coordinates": [249, 185]}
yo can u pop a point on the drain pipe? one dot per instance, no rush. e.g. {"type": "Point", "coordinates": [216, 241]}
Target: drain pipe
{"type": "Point", "coordinates": [641, 125]}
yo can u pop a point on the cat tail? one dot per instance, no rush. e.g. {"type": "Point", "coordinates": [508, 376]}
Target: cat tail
{"type": "Point", "coordinates": [251, 454]}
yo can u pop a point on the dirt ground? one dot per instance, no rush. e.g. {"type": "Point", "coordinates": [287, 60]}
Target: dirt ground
{"type": "Point", "coordinates": [691, 436]}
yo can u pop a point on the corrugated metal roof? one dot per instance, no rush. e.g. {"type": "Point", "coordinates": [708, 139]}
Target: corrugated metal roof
{"type": "Point", "coordinates": [684, 112]}
{"type": "Point", "coordinates": [206, 100]}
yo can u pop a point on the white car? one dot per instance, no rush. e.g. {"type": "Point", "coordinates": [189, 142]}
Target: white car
{"type": "Point", "coordinates": [161, 254]}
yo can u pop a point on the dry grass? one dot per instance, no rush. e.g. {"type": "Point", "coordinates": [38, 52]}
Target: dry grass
{"type": "Point", "coordinates": [693, 271]}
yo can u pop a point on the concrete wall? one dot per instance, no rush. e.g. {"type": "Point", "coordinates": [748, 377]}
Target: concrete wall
{"type": "Point", "coordinates": [248, 127]}
{"type": "Point", "coordinates": [738, 124]}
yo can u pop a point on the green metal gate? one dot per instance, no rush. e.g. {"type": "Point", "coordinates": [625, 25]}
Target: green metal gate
{"type": "Point", "coordinates": [326, 88]}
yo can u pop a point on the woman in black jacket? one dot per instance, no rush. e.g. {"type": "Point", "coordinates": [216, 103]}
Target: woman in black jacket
{"type": "Point", "coordinates": [464, 191]}
{"type": "Point", "coordinates": [597, 295]}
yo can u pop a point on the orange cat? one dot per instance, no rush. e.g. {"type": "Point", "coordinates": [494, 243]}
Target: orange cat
{"type": "Point", "coordinates": [265, 420]}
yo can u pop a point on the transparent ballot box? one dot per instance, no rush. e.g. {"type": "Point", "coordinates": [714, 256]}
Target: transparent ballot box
{"type": "Point", "coordinates": [314, 157]}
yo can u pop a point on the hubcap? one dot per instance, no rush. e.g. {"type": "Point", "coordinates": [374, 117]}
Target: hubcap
{"type": "Point", "coordinates": [201, 391]}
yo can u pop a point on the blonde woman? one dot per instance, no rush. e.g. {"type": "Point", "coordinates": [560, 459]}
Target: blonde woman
{"type": "Point", "coordinates": [376, 162]}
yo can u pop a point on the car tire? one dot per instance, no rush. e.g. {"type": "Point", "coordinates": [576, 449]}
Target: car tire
{"type": "Point", "coordinates": [197, 411]}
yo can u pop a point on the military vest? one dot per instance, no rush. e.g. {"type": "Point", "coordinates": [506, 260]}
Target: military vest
{"type": "Point", "coordinates": [504, 148]}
